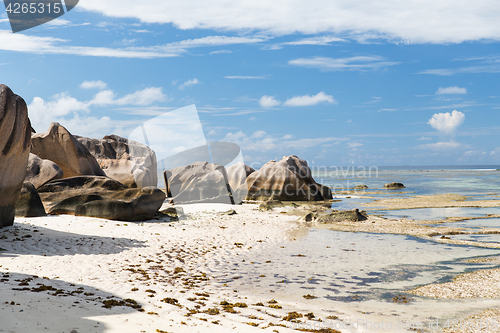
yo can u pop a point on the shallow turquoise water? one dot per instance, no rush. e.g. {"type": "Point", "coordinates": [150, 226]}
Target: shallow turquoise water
{"type": "Point", "coordinates": [437, 213]}
{"type": "Point", "coordinates": [474, 224]}
{"type": "Point", "coordinates": [489, 238]}
{"type": "Point", "coordinates": [472, 181]}
{"type": "Point", "coordinates": [477, 183]}
{"type": "Point", "coordinates": [358, 272]}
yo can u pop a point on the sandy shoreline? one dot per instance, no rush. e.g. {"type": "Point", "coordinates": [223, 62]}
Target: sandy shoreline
{"type": "Point", "coordinates": [169, 269]}
{"type": "Point", "coordinates": [57, 272]}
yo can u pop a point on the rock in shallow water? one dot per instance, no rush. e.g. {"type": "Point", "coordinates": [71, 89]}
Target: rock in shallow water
{"type": "Point", "coordinates": [15, 136]}
{"type": "Point", "coordinates": [354, 215]}
{"type": "Point", "coordinates": [394, 186]}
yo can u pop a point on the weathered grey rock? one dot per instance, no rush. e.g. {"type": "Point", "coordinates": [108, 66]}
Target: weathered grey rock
{"type": "Point", "coordinates": [237, 175]}
{"type": "Point", "coordinates": [229, 212]}
{"type": "Point", "coordinates": [41, 171]}
{"type": "Point", "coordinates": [288, 179]}
{"type": "Point", "coordinates": [61, 147]}
{"type": "Point", "coordinates": [173, 213]}
{"type": "Point", "coordinates": [200, 182]}
{"type": "Point", "coordinates": [29, 203]}
{"type": "Point", "coordinates": [394, 186]}
{"type": "Point", "coordinates": [354, 215]}
{"type": "Point", "coordinates": [270, 205]}
{"type": "Point", "coordinates": [142, 206]}
{"type": "Point", "coordinates": [15, 136]}
{"type": "Point", "coordinates": [101, 197]}
{"type": "Point", "coordinates": [129, 162]}
{"type": "Point", "coordinates": [360, 187]}
{"type": "Point", "coordinates": [68, 205]}
{"type": "Point", "coordinates": [308, 217]}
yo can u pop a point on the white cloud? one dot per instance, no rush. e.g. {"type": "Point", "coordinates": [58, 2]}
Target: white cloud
{"type": "Point", "coordinates": [42, 112]}
{"type": "Point", "coordinates": [268, 101]}
{"type": "Point", "coordinates": [307, 100]}
{"type": "Point", "coordinates": [451, 90]}
{"type": "Point", "coordinates": [495, 152]}
{"type": "Point", "coordinates": [93, 84]}
{"type": "Point", "coordinates": [424, 138]}
{"type": "Point", "coordinates": [261, 141]}
{"type": "Point", "coordinates": [259, 134]}
{"type": "Point", "coordinates": [358, 63]}
{"type": "Point", "coordinates": [447, 122]}
{"type": "Point", "coordinates": [475, 153]}
{"type": "Point", "coordinates": [216, 41]}
{"type": "Point", "coordinates": [189, 83]}
{"type": "Point", "coordinates": [424, 21]}
{"type": "Point", "coordinates": [143, 97]}
{"type": "Point", "coordinates": [142, 31]}
{"type": "Point", "coordinates": [322, 40]}
{"type": "Point", "coordinates": [50, 45]}
{"type": "Point", "coordinates": [489, 64]}
{"type": "Point", "coordinates": [221, 52]}
{"type": "Point", "coordinates": [354, 144]}
{"type": "Point", "coordinates": [58, 22]}
{"type": "Point", "coordinates": [68, 110]}
{"type": "Point", "coordinates": [146, 96]}
{"type": "Point", "coordinates": [243, 77]}
{"type": "Point", "coordinates": [441, 146]}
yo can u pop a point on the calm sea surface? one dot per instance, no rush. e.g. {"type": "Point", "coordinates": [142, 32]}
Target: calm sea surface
{"type": "Point", "coordinates": [466, 180]}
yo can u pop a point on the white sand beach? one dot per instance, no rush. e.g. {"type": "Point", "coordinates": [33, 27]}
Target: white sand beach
{"type": "Point", "coordinates": [82, 261]}
{"type": "Point", "coordinates": [214, 272]}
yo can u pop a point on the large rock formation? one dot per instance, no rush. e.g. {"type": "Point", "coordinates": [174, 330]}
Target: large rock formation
{"type": "Point", "coordinates": [41, 171]}
{"type": "Point", "coordinates": [288, 179]}
{"type": "Point", "coordinates": [237, 175]}
{"type": "Point", "coordinates": [101, 197]}
{"type": "Point", "coordinates": [200, 182]}
{"type": "Point", "coordinates": [29, 203]}
{"type": "Point", "coordinates": [129, 162]}
{"type": "Point", "coordinates": [15, 134]}
{"type": "Point", "coordinates": [62, 148]}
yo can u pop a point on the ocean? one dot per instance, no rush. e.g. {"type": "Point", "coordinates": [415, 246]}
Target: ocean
{"type": "Point", "coordinates": [476, 180]}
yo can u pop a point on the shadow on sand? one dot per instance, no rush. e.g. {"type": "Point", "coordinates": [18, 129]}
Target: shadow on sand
{"type": "Point", "coordinates": [33, 304]}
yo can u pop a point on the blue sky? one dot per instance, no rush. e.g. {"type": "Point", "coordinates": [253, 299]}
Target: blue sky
{"type": "Point", "coordinates": [335, 82]}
